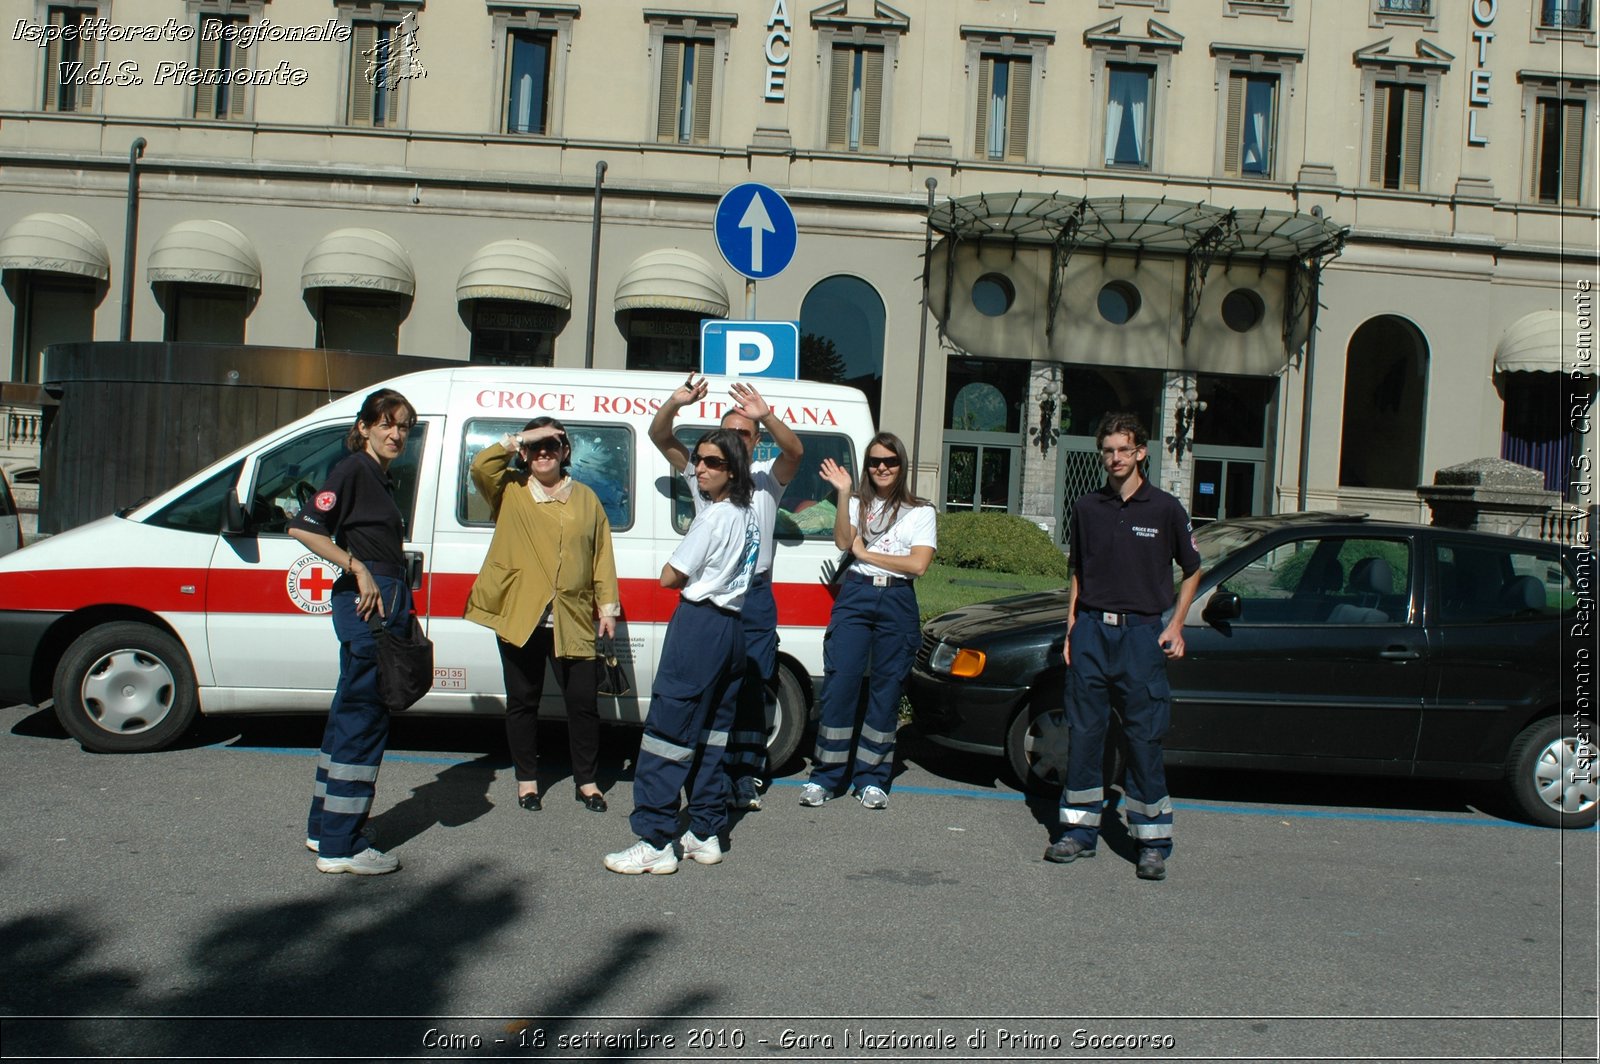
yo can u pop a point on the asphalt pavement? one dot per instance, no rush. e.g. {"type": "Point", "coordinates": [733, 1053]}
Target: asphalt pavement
{"type": "Point", "coordinates": [162, 905]}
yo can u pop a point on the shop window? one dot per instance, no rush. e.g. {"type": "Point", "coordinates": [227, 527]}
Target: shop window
{"type": "Point", "coordinates": [1128, 118]}
{"type": "Point", "coordinates": [667, 340]}
{"type": "Point", "coordinates": [67, 57]}
{"type": "Point", "coordinates": [1385, 384]}
{"type": "Point", "coordinates": [976, 394]}
{"type": "Point", "coordinates": [1395, 154]}
{"type": "Point", "coordinates": [350, 320]}
{"type": "Point", "coordinates": [204, 313]}
{"type": "Point", "coordinates": [842, 323]}
{"type": "Point", "coordinates": [218, 50]}
{"type": "Point", "coordinates": [506, 333]}
{"type": "Point", "coordinates": [52, 308]}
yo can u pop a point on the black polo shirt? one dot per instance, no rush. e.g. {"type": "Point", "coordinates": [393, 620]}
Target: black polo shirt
{"type": "Point", "coordinates": [355, 507]}
{"type": "Point", "coordinates": [1123, 551]}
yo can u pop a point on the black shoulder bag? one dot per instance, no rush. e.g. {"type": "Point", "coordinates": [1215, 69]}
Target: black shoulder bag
{"type": "Point", "coordinates": [405, 662]}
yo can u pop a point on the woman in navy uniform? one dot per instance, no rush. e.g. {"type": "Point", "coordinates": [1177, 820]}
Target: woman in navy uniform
{"type": "Point", "coordinates": [700, 671]}
{"type": "Point", "coordinates": [354, 523]}
{"type": "Point", "coordinates": [891, 536]}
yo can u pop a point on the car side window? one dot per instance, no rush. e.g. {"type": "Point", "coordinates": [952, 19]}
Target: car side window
{"type": "Point", "coordinates": [808, 505]}
{"type": "Point", "coordinates": [1490, 584]}
{"type": "Point", "coordinates": [289, 476]}
{"type": "Point", "coordinates": [1339, 580]}
{"type": "Point", "coordinates": [602, 459]}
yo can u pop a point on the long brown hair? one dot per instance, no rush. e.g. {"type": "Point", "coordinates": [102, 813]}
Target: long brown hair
{"type": "Point", "coordinates": [900, 491]}
{"type": "Point", "coordinates": [385, 402]}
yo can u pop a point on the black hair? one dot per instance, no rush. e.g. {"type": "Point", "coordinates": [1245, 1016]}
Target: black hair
{"type": "Point", "coordinates": [731, 444]}
{"type": "Point", "coordinates": [566, 450]}
{"type": "Point", "coordinates": [1121, 423]}
{"type": "Point", "coordinates": [378, 405]}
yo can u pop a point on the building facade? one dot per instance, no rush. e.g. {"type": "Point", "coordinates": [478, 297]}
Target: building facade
{"type": "Point", "coordinates": [1325, 248]}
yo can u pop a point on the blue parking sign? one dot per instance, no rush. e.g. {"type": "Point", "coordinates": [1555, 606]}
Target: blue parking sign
{"type": "Point", "coordinates": [755, 230]}
{"type": "Point", "coordinates": [750, 349]}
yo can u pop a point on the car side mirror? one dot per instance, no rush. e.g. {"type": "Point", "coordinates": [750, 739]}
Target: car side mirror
{"type": "Point", "coordinates": [1223, 606]}
{"type": "Point", "coordinates": [235, 520]}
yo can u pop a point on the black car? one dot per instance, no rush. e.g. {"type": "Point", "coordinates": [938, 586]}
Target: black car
{"type": "Point", "coordinates": [1320, 642]}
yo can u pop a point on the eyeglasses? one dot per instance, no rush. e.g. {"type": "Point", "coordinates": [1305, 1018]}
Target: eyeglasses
{"type": "Point", "coordinates": [546, 445]}
{"type": "Point", "coordinates": [1119, 452]}
{"type": "Point", "coordinates": [710, 461]}
{"type": "Point", "coordinates": [890, 460]}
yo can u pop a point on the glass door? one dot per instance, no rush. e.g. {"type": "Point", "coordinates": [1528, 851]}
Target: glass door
{"type": "Point", "coordinates": [978, 478]}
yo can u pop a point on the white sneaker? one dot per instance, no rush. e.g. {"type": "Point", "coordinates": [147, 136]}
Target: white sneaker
{"type": "Point", "coordinates": [311, 844]}
{"type": "Point", "coordinates": [745, 794]}
{"type": "Point", "coordinates": [643, 857]}
{"type": "Point", "coordinates": [873, 797]}
{"type": "Point", "coordinates": [814, 794]}
{"type": "Point", "coordinates": [700, 851]}
{"type": "Point", "coordinates": [368, 862]}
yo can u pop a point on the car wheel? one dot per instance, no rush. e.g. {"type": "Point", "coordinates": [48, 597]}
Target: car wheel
{"type": "Point", "coordinates": [125, 687]}
{"type": "Point", "coordinates": [786, 719]}
{"type": "Point", "coordinates": [1549, 783]}
{"type": "Point", "coordinates": [1037, 743]}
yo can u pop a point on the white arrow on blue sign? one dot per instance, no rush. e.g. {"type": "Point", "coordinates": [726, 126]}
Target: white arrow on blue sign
{"type": "Point", "coordinates": [755, 229]}
{"type": "Point", "coordinates": [750, 349]}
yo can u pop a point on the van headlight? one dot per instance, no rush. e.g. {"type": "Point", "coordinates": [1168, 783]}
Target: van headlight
{"type": "Point", "coordinates": [957, 661]}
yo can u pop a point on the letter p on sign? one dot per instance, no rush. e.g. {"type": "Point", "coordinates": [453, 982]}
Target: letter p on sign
{"type": "Point", "coordinates": [750, 349]}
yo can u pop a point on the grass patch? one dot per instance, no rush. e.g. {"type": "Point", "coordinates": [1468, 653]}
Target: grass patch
{"type": "Point", "coordinates": [944, 587]}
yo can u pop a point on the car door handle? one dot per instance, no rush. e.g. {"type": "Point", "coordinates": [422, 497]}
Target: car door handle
{"type": "Point", "coordinates": [414, 569]}
{"type": "Point", "coordinates": [1399, 654]}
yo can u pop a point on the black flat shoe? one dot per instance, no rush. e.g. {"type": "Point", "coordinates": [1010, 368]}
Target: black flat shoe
{"type": "Point", "coordinates": [595, 803]}
{"type": "Point", "coordinates": [531, 802]}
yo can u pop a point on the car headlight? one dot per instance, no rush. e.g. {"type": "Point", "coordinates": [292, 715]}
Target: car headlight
{"type": "Point", "coordinates": [957, 661]}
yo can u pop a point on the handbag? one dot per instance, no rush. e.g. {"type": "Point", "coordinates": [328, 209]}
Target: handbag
{"type": "Point", "coordinates": [613, 678]}
{"type": "Point", "coordinates": [405, 662]}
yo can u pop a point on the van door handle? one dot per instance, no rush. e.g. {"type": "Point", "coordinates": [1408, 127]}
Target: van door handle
{"type": "Point", "coordinates": [1399, 654]}
{"type": "Point", "coordinates": [414, 569]}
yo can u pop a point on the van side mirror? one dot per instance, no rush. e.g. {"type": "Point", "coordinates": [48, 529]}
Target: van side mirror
{"type": "Point", "coordinates": [235, 519]}
{"type": "Point", "coordinates": [1223, 606]}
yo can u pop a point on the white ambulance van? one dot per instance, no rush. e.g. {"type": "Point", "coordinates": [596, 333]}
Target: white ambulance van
{"type": "Point", "coordinates": [197, 600]}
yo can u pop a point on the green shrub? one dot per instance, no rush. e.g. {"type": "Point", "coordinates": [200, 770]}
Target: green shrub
{"type": "Point", "coordinates": [1000, 543]}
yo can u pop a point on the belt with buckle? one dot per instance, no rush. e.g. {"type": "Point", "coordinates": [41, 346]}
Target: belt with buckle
{"type": "Point", "coordinates": [1122, 620]}
{"type": "Point", "coordinates": [879, 581]}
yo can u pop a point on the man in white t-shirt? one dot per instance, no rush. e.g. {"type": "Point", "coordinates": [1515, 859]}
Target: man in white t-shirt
{"type": "Point", "coordinates": [746, 762]}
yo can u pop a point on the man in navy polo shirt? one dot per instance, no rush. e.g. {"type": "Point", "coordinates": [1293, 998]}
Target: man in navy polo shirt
{"type": "Point", "coordinates": [1124, 540]}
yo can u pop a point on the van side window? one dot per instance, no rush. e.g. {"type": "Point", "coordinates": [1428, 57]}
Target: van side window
{"type": "Point", "coordinates": [290, 475]}
{"type": "Point", "coordinates": [807, 508]}
{"type": "Point", "coordinates": [602, 459]}
{"type": "Point", "coordinates": [200, 508]}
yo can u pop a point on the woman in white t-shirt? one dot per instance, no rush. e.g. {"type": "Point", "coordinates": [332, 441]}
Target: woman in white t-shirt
{"type": "Point", "coordinates": [702, 665]}
{"type": "Point", "coordinates": [891, 536]}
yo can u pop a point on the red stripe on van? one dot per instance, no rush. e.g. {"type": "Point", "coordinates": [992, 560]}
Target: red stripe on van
{"type": "Point", "coordinates": [61, 590]}
{"type": "Point", "coordinates": [647, 602]}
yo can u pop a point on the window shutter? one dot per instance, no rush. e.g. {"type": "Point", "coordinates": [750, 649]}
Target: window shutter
{"type": "Point", "coordinates": [705, 57]}
{"type": "Point", "coordinates": [85, 100]}
{"type": "Point", "coordinates": [52, 63]}
{"type": "Point", "coordinates": [1233, 129]}
{"type": "Point", "coordinates": [839, 97]}
{"type": "Point", "coordinates": [872, 98]}
{"type": "Point", "coordinates": [1411, 160]}
{"type": "Point", "coordinates": [363, 39]}
{"type": "Point", "coordinates": [1020, 85]}
{"type": "Point", "coordinates": [205, 95]}
{"type": "Point", "coordinates": [1571, 152]}
{"type": "Point", "coordinates": [1541, 122]}
{"type": "Point", "coordinates": [980, 128]}
{"type": "Point", "coordinates": [667, 98]}
{"type": "Point", "coordinates": [237, 92]}
{"type": "Point", "coordinates": [1380, 126]}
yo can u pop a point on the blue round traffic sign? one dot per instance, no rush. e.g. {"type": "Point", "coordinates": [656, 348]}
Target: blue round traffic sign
{"type": "Point", "coordinates": [755, 230]}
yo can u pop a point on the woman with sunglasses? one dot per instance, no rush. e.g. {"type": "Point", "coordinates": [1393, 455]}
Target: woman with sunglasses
{"type": "Point", "coordinates": [353, 522]}
{"type": "Point", "coordinates": [701, 668]}
{"type": "Point", "coordinates": [891, 536]}
{"type": "Point", "coordinates": [548, 575]}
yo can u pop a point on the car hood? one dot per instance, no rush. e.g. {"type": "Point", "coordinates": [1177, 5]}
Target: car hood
{"type": "Point", "coordinates": [975, 623]}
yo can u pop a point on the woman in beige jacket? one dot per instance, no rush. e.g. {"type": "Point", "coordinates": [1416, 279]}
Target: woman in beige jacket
{"type": "Point", "coordinates": [548, 575]}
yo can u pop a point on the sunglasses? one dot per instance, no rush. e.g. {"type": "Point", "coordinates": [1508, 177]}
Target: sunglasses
{"type": "Point", "coordinates": [546, 445]}
{"type": "Point", "coordinates": [710, 461]}
{"type": "Point", "coordinates": [874, 461]}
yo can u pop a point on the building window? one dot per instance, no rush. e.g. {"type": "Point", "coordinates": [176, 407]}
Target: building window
{"type": "Point", "coordinates": [1558, 151]}
{"type": "Point", "coordinates": [855, 98]}
{"type": "Point", "coordinates": [383, 60]}
{"type": "Point", "coordinates": [1128, 91]}
{"type": "Point", "coordinates": [688, 74]}
{"type": "Point", "coordinates": [1004, 92]}
{"type": "Point", "coordinates": [68, 58]}
{"type": "Point", "coordinates": [350, 320]}
{"type": "Point", "coordinates": [1535, 429]}
{"type": "Point", "coordinates": [842, 323]}
{"type": "Point", "coordinates": [218, 50]}
{"type": "Point", "coordinates": [1385, 381]}
{"type": "Point", "coordinates": [528, 82]}
{"type": "Point", "coordinates": [1564, 14]}
{"type": "Point", "coordinates": [1415, 14]}
{"type": "Point", "coordinates": [506, 333]}
{"type": "Point", "coordinates": [51, 308]}
{"type": "Point", "coordinates": [1397, 127]}
{"type": "Point", "coordinates": [1252, 125]}
{"type": "Point", "coordinates": [204, 313]}
{"type": "Point", "coordinates": [666, 340]}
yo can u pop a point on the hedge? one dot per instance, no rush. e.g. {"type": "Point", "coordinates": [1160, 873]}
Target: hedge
{"type": "Point", "coordinates": [1001, 543]}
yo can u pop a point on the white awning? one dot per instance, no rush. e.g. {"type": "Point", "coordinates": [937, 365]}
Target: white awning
{"type": "Point", "coordinates": [517, 270]}
{"type": "Point", "coordinates": [1540, 342]}
{"type": "Point", "coordinates": [359, 258]}
{"type": "Point", "coordinates": [55, 243]}
{"type": "Point", "coordinates": [205, 251]}
{"type": "Point", "coordinates": [672, 279]}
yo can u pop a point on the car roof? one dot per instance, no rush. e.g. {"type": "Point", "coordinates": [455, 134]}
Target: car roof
{"type": "Point", "coordinates": [1352, 520]}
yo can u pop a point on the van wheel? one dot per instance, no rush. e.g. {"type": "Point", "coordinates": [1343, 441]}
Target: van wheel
{"type": "Point", "coordinates": [125, 688]}
{"type": "Point", "coordinates": [1550, 773]}
{"type": "Point", "coordinates": [1037, 742]}
{"type": "Point", "coordinates": [786, 719]}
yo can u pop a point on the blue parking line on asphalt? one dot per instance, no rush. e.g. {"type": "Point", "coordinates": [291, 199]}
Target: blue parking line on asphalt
{"type": "Point", "coordinates": [996, 796]}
